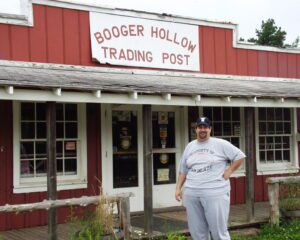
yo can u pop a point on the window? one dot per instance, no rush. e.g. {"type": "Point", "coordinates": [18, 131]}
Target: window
{"type": "Point", "coordinates": [30, 138]}
{"type": "Point", "coordinates": [227, 124]}
{"type": "Point", "coordinates": [125, 146]}
{"type": "Point", "coordinates": [275, 139]}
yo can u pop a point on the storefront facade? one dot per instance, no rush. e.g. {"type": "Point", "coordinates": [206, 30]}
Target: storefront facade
{"type": "Point", "coordinates": [193, 68]}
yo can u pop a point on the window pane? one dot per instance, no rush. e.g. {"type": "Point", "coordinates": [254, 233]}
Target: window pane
{"type": "Point", "coordinates": [71, 130]}
{"type": "Point", "coordinates": [70, 166]}
{"type": "Point", "coordinates": [59, 112]}
{"type": "Point", "coordinates": [279, 128]}
{"type": "Point", "coordinates": [27, 150]}
{"type": "Point", "coordinates": [227, 129]}
{"type": "Point", "coordinates": [41, 111]}
{"type": "Point", "coordinates": [262, 156]}
{"type": "Point", "coordinates": [164, 170]}
{"type": "Point", "coordinates": [235, 141]}
{"type": "Point", "coordinates": [70, 149]}
{"type": "Point", "coordinates": [270, 114]}
{"type": "Point", "coordinates": [287, 127]}
{"type": "Point", "coordinates": [286, 155]}
{"type": "Point", "coordinates": [269, 143]}
{"type": "Point", "coordinates": [41, 130]}
{"type": "Point", "coordinates": [41, 167]}
{"type": "Point", "coordinates": [278, 142]}
{"type": "Point", "coordinates": [40, 150]}
{"type": "Point", "coordinates": [27, 130]}
{"type": "Point", "coordinates": [125, 164]}
{"type": "Point", "coordinates": [125, 170]}
{"type": "Point", "coordinates": [287, 114]}
{"type": "Point", "coordinates": [27, 111]}
{"type": "Point", "coordinates": [278, 114]}
{"type": "Point", "coordinates": [59, 130]}
{"type": "Point", "coordinates": [207, 111]}
{"type": "Point", "coordinates": [163, 128]}
{"type": "Point", "coordinates": [262, 114]}
{"type": "Point", "coordinates": [226, 114]}
{"type": "Point", "coordinates": [235, 114]}
{"type": "Point", "coordinates": [271, 128]}
{"type": "Point", "coordinates": [217, 114]}
{"type": "Point", "coordinates": [278, 156]}
{"type": "Point", "coordinates": [262, 128]}
{"type": "Point", "coordinates": [59, 149]}
{"type": "Point", "coordinates": [71, 112]}
{"type": "Point", "coordinates": [27, 168]}
{"type": "Point", "coordinates": [217, 129]}
{"type": "Point", "coordinates": [286, 142]}
{"type": "Point", "coordinates": [262, 143]}
{"type": "Point", "coordinates": [59, 166]}
{"type": "Point", "coordinates": [270, 156]}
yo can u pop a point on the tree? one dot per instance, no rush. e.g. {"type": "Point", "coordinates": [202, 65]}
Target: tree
{"type": "Point", "coordinates": [270, 34]}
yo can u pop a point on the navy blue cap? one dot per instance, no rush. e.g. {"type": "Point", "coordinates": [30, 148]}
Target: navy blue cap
{"type": "Point", "coordinates": [203, 121]}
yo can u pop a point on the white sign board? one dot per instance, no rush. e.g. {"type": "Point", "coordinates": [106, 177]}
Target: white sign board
{"type": "Point", "coordinates": [140, 42]}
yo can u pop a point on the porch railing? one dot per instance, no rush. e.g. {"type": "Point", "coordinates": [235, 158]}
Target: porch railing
{"type": "Point", "coordinates": [273, 193]}
{"type": "Point", "coordinates": [122, 201]}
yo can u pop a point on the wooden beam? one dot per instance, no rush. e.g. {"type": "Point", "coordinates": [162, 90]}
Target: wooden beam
{"type": "Point", "coordinates": [250, 153]}
{"type": "Point", "coordinates": [148, 196]}
{"type": "Point", "coordinates": [51, 168]}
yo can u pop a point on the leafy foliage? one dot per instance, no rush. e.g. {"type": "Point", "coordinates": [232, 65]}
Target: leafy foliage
{"type": "Point", "coordinates": [270, 34]}
{"type": "Point", "coordinates": [94, 225]}
{"type": "Point", "coordinates": [175, 236]}
{"type": "Point", "coordinates": [287, 230]}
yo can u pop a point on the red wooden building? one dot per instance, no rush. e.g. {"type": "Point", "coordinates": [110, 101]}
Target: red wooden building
{"type": "Point", "coordinates": [101, 66]}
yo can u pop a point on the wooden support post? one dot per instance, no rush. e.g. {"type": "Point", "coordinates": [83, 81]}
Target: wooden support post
{"type": "Point", "coordinates": [51, 168]}
{"type": "Point", "coordinates": [148, 201]}
{"type": "Point", "coordinates": [250, 153]}
{"type": "Point", "coordinates": [273, 193]}
{"type": "Point", "coordinates": [125, 217]}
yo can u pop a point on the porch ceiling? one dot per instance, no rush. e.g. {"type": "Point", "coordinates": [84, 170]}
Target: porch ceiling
{"type": "Point", "coordinates": [47, 76]}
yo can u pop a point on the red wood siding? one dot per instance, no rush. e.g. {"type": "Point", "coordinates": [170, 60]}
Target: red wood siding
{"type": "Point", "coordinates": [219, 57]}
{"type": "Point", "coordinates": [10, 221]}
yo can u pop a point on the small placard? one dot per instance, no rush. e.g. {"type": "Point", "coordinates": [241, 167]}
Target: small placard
{"type": "Point", "coordinates": [162, 118]}
{"type": "Point", "coordinates": [70, 146]}
{"type": "Point", "coordinates": [163, 174]}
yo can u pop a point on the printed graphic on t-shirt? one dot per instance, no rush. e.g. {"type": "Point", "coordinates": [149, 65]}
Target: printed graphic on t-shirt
{"type": "Point", "coordinates": [200, 161]}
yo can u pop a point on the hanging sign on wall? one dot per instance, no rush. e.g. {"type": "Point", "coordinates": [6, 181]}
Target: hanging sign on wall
{"type": "Point", "coordinates": [129, 41]}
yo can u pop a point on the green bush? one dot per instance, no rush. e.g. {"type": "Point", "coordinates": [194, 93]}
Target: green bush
{"type": "Point", "coordinates": [285, 231]}
{"type": "Point", "coordinates": [175, 236]}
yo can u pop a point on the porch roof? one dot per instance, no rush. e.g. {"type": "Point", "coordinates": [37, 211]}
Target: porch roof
{"type": "Point", "coordinates": [76, 78]}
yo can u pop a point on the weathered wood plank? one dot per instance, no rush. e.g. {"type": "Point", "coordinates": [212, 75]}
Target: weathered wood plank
{"type": "Point", "coordinates": [286, 180]}
{"type": "Point", "coordinates": [51, 168]}
{"type": "Point", "coordinates": [148, 195]}
{"type": "Point", "coordinates": [46, 204]}
{"type": "Point", "coordinates": [250, 153]}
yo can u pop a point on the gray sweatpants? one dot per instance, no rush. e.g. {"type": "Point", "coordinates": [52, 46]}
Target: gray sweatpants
{"type": "Point", "coordinates": [208, 214]}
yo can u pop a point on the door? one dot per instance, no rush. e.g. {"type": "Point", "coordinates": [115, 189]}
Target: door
{"type": "Point", "coordinates": [122, 159]}
{"type": "Point", "coordinates": [167, 150]}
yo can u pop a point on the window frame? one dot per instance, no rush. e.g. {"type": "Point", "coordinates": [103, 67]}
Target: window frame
{"type": "Point", "coordinates": [283, 167]}
{"type": "Point", "coordinates": [241, 171]}
{"type": "Point", "coordinates": [24, 185]}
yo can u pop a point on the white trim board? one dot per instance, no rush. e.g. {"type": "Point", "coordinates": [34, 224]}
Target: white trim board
{"type": "Point", "coordinates": [116, 98]}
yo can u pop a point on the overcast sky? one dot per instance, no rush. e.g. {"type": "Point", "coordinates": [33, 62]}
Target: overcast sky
{"type": "Point", "coordinates": [247, 13]}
